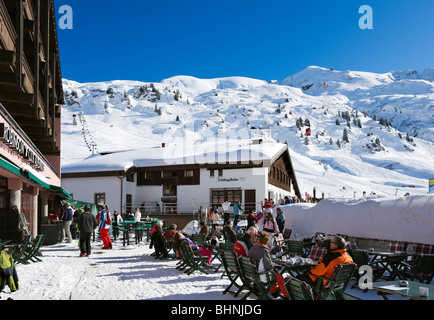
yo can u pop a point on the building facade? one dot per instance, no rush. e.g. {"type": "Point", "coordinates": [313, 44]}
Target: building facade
{"type": "Point", "coordinates": [179, 186]}
{"type": "Point", "coordinates": [31, 96]}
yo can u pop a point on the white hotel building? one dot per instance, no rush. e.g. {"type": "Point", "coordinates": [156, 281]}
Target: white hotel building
{"type": "Point", "coordinates": [177, 179]}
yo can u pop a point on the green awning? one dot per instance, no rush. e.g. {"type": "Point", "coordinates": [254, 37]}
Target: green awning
{"type": "Point", "coordinates": [10, 167]}
{"type": "Point", "coordinates": [31, 177]}
{"type": "Point", "coordinates": [34, 178]}
{"type": "Point", "coordinates": [61, 192]}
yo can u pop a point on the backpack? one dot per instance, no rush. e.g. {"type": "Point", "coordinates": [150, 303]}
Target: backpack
{"type": "Point", "coordinates": [109, 219]}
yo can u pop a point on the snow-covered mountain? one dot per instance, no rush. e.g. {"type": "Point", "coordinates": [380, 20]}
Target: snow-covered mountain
{"type": "Point", "coordinates": [369, 132]}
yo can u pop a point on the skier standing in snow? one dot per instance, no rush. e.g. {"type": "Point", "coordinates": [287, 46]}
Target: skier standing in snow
{"type": "Point", "coordinates": [104, 226]}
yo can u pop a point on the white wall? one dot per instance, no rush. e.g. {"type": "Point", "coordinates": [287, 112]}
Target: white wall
{"type": "Point", "coordinates": [84, 189]}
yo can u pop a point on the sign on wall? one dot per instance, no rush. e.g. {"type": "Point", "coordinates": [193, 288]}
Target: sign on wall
{"type": "Point", "coordinates": [14, 142]}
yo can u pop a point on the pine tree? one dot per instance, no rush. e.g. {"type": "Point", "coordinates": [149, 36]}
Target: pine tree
{"type": "Point", "coordinates": [345, 136]}
{"type": "Point", "coordinates": [177, 95]}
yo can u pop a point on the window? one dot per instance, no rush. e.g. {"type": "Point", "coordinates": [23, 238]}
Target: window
{"type": "Point", "coordinates": [130, 177]}
{"type": "Point", "coordinates": [169, 191]}
{"type": "Point", "coordinates": [220, 196]}
{"type": "Point", "coordinates": [169, 174]}
{"type": "Point", "coordinates": [189, 173]}
{"type": "Point", "coordinates": [100, 198]}
{"type": "Point", "coordinates": [151, 175]}
{"type": "Point", "coordinates": [129, 203]}
{"type": "Point", "coordinates": [220, 172]}
{"type": "Point", "coordinates": [211, 173]}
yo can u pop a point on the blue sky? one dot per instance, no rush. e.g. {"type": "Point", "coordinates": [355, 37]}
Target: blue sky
{"type": "Point", "coordinates": [148, 40]}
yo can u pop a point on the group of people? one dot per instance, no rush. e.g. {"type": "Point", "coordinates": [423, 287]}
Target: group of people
{"type": "Point", "coordinates": [258, 247]}
{"type": "Point", "coordinates": [257, 243]}
{"type": "Point", "coordinates": [87, 223]}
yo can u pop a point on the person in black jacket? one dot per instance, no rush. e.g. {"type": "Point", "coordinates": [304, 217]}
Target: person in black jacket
{"type": "Point", "coordinates": [160, 242]}
{"type": "Point", "coordinates": [86, 224]}
{"type": "Point", "coordinates": [229, 233]}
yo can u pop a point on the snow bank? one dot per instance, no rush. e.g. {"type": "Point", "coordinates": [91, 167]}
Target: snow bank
{"type": "Point", "coordinates": [409, 219]}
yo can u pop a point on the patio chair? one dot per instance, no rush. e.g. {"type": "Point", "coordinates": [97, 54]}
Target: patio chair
{"type": "Point", "coordinates": [398, 246]}
{"type": "Point", "coordinates": [193, 261]}
{"type": "Point", "coordinates": [199, 239]}
{"type": "Point", "coordinates": [422, 269]}
{"type": "Point", "coordinates": [337, 283]}
{"type": "Point", "coordinates": [232, 271]}
{"type": "Point", "coordinates": [296, 247]}
{"type": "Point", "coordinates": [257, 283]}
{"type": "Point", "coordinates": [418, 249]}
{"type": "Point", "coordinates": [281, 244]}
{"type": "Point", "coordinates": [298, 290]}
{"type": "Point", "coordinates": [361, 258]}
{"type": "Point", "coordinates": [18, 249]}
{"type": "Point", "coordinates": [287, 234]}
{"type": "Point", "coordinates": [316, 253]}
{"type": "Point", "coordinates": [33, 250]}
{"type": "Point", "coordinates": [227, 246]}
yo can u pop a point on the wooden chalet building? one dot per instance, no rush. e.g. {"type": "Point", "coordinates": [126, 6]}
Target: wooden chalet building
{"type": "Point", "coordinates": [30, 124]}
{"type": "Point", "coordinates": [175, 179]}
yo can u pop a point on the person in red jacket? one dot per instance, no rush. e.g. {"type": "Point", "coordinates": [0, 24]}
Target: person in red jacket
{"type": "Point", "coordinates": [248, 240]}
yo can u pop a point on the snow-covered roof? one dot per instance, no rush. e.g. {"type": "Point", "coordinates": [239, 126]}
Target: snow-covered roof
{"type": "Point", "coordinates": [213, 152]}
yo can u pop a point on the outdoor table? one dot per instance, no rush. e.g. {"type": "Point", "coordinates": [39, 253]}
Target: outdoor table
{"type": "Point", "coordinates": [293, 268]}
{"type": "Point", "coordinates": [412, 291]}
{"type": "Point", "coordinates": [391, 262]}
{"type": "Point", "coordinates": [127, 225]}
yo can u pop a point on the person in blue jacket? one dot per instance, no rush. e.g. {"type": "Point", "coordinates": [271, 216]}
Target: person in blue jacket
{"type": "Point", "coordinates": [280, 219]}
{"type": "Point", "coordinates": [236, 213]}
{"type": "Point", "coordinates": [67, 221]}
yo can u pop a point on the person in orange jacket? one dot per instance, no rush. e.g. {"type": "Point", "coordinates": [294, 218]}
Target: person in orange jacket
{"type": "Point", "coordinates": [336, 255]}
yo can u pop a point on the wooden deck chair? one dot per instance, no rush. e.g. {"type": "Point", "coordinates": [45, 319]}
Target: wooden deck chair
{"type": "Point", "coordinates": [422, 269]}
{"type": "Point", "coordinates": [31, 253]}
{"type": "Point", "coordinates": [230, 265]}
{"type": "Point", "coordinates": [296, 247]}
{"type": "Point", "coordinates": [298, 290]}
{"type": "Point", "coordinates": [361, 258]}
{"type": "Point", "coordinates": [257, 283]}
{"type": "Point", "coordinates": [338, 282]}
{"type": "Point", "coordinates": [194, 262]}
{"type": "Point", "coordinates": [18, 249]}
